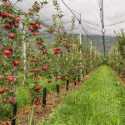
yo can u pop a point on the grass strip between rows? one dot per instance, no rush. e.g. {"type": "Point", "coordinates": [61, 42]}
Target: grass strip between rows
{"type": "Point", "coordinates": [100, 101]}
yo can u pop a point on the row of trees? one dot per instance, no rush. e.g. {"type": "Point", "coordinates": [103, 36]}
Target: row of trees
{"type": "Point", "coordinates": [117, 54]}
{"type": "Point", "coordinates": [29, 65]}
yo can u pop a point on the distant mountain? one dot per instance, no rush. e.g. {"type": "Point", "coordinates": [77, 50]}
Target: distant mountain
{"type": "Point", "coordinates": [97, 40]}
{"type": "Point", "coordinates": [109, 42]}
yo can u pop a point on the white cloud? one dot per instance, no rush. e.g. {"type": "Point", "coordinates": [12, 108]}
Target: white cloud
{"type": "Point", "coordinates": [113, 9]}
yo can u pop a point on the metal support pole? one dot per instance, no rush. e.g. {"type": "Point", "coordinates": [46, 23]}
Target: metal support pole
{"type": "Point", "coordinates": [103, 26]}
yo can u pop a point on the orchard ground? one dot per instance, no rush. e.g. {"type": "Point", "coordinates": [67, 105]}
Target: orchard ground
{"type": "Point", "coordinates": [100, 101]}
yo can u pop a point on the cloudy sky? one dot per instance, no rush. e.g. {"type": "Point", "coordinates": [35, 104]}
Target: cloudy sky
{"type": "Point", "coordinates": [114, 12]}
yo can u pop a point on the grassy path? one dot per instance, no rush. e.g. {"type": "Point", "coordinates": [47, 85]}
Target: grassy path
{"type": "Point", "coordinates": [100, 101]}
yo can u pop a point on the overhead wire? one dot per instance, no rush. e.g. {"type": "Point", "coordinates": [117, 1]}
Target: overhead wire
{"type": "Point", "coordinates": [117, 23]}
{"type": "Point", "coordinates": [77, 18]}
{"type": "Point", "coordinates": [86, 21]}
{"type": "Point", "coordinates": [84, 31]}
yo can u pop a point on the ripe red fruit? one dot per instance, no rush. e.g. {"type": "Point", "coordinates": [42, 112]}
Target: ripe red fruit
{"type": "Point", "coordinates": [11, 78]}
{"type": "Point", "coordinates": [57, 51]}
{"type": "Point", "coordinates": [16, 63]}
{"type": "Point", "coordinates": [40, 43]}
{"type": "Point", "coordinates": [38, 88]}
{"type": "Point", "coordinates": [12, 36]}
{"type": "Point", "coordinates": [37, 101]}
{"type": "Point", "coordinates": [12, 100]}
{"type": "Point", "coordinates": [34, 26]}
{"type": "Point", "coordinates": [5, 15]}
{"type": "Point", "coordinates": [8, 52]}
{"type": "Point", "coordinates": [17, 19]}
{"type": "Point", "coordinates": [6, 123]}
{"type": "Point", "coordinates": [2, 90]}
{"type": "Point", "coordinates": [45, 67]}
{"type": "Point", "coordinates": [8, 26]}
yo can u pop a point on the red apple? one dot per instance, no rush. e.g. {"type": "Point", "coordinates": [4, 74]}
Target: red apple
{"type": "Point", "coordinates": [38, 88]}
{"type": "Point", "coordinates": [34, 26]}
{"type": "Point", "coordinates": [45, 67]}
{"type": "Point", "coordinates": [40, 43]}
{"type": "Point", "coordinates": [8, 26]}
{"type": "Point", "coordinates": [12, 100]}
{"type": "Point", "coordinates": [8, 52]}
{"type": "Point", "coordinates": [37, 101]}
{"type": "Point", "coordinates": [57, 51]}
{"type": "Point", "coordinates": [11, 36]}
{"type": "Point", "coordinates": [2, 90]}
{"type": "Point", "coordinates": [5, 15]}
{"type": "Point", "coordinates": [17, 19]}
{"type": "Point", "coordinates": [11, 78]}
{"type": "Point", "coordinates": [16, 63]}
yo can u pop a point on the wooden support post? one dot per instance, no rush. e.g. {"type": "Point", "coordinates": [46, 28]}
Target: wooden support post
{"type": "Point", "coordinates": [44, 96]}
{"type": "Point", "coordinates": [57, 89]}
{"type": "Point", "coordinates": [14, 110]}
{"type": "Point", "coordinates": [75, 82]}
{"type": "Point", "coordinates": [67, 85]}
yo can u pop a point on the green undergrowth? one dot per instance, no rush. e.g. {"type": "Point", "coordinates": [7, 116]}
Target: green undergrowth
{"type": "Point", "coordinates": [100, 101]}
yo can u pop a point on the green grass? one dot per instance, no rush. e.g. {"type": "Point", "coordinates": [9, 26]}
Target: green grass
{"type": "Point", "coordinates": [100, 101]}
